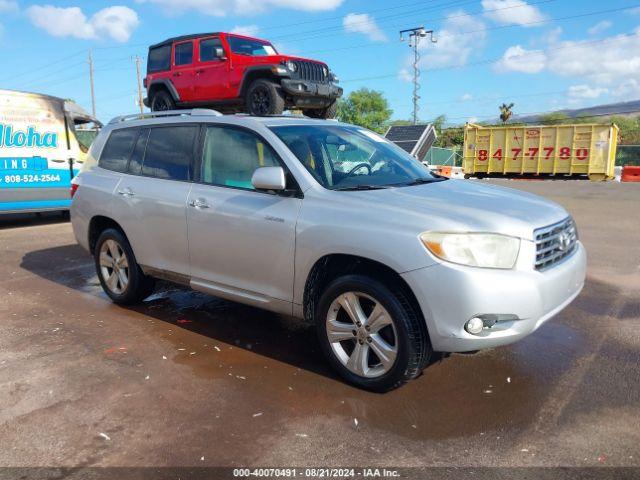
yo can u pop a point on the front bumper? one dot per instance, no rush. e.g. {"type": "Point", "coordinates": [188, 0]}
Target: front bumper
{"type": "Point", "coordinates": [307, 93]}
{"type": "Point", "coordinates": [450, 295]}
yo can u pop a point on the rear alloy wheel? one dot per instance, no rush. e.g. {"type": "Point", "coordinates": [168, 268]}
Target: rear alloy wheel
{"type": "Point", "coordinates": [263, 98]}
{"type": "Point", "coordinates": [120, 275]}
{"type": "Point", "coordinates": [162, 101]}
{"type": "Point", "coordinates": [373, 336]}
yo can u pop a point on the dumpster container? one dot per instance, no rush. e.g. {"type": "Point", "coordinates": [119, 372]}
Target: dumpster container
{"type": "Point", "coordinates": [575, 150]}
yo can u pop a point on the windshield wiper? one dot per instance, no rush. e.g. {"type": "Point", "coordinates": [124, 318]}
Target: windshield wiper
{"type": "Point", "coordinates": [421, 181]}
{"type": "Point", "coordinates": [361, 187]}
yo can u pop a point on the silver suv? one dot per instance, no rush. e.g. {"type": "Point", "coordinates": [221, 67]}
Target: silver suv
{"type": "Point", "coordinates": [390, 262]}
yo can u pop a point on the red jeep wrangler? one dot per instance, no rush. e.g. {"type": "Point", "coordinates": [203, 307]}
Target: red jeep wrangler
{"type": "Point", "coordinates": [234, 73]}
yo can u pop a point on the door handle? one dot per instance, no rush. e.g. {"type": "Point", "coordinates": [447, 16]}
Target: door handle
{"type": "Point", "coordinates": [198, 203]}
{"type": "Point", "coordinates": [177, 74]}
{"type": "Point", "coordinates": [199, 71]}
{"type": "Point", "coordinates": [127, 192]}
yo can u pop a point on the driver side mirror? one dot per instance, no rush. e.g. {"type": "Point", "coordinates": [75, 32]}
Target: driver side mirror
{"type": "Point", "coordinates": [220, 53]}
{"type": "Point", "coordinates": [269, 178]}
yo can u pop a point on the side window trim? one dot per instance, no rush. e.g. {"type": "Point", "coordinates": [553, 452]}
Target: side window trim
{"type": "Point", "coordinates": [295, 187]}
{"type": "Point", "coordinates": [141, 131]}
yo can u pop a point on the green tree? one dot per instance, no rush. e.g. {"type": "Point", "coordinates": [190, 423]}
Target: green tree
{"type": "Point", "coordinates": [367, 108]}
{"type": "Point", "coordinates": [506, 111]}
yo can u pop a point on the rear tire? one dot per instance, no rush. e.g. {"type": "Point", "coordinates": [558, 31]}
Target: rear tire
{"type": "Point", "coordinates": [162, 101]}
{"type": "Point", "coordinates": [387, 348]}
{"type": "Point", "coordinates": [120, 275]}
{"type": "Point", "coordinates": [324, 113]}
{"type": "Point", "coordinates": [264, 98]}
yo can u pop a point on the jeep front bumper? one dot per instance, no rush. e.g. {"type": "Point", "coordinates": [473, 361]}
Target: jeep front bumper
{"type": "Point", "coordinates": [309, 94]}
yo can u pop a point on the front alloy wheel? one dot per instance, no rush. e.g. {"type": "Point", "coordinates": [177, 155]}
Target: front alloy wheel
{"type": "Point", "coordinates": [372, 332]}
{"type": "Point", "coordinates": [362, 334]}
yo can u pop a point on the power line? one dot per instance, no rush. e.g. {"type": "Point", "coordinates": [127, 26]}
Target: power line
{"type": "Point", "coordinates": [497, 60]}
{"type": "Point", "coordinates": [300, 36]}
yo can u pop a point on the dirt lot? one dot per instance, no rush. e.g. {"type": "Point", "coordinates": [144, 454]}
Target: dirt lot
{"type": "Point", "coordinates": [190, 380]}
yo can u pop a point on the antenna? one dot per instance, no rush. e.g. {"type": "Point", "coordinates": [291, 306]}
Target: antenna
{"type": "Point", "coordinates": [415, 35]}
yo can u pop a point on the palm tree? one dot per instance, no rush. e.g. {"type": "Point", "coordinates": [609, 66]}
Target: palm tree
{"type": "Point", "coordinates": [506, 112]}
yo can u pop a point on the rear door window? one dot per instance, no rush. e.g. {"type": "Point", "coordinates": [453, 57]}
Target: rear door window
{"type": "Point", "coordinates": [169, 152]}
{"type": "Point", "coordinates": [117, 150]}
{"type": "Point", "coordinates": [159, 59]}
{"type": "Point", "coordinates": [183, 54]}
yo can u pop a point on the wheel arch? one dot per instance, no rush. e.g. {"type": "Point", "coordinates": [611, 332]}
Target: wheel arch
{"type": "Point", "coordinates": [99, 224]}
{"type": "Point", "coordinates": [162, 84]}
{"type": "Point", "coordinates": [255, 73]}
{"type": "Point", "coordinates": [332, 266]}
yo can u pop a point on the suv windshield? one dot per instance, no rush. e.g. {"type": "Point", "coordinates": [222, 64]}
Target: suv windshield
{"type": "Point", "coordinates": [351, 158]}
{"type": "Point", "coordinates": [246, 46]}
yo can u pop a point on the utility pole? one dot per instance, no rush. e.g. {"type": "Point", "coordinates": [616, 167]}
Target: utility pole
{"type": "Point", "coordinates": [93, 94]}
{"type": "Point", "coordinates": [415, 35]}
{"type": "Point", "coordinates": [140, 102]}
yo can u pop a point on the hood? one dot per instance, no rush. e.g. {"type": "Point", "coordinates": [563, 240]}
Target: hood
{"type": "Point", "coordinates": [465, 206]}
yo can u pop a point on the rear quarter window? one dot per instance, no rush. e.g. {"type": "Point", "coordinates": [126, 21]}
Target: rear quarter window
{"type": "Point", "coordinates": [159, 59]}
{"type": "Point", "coordinates": [115, 154]}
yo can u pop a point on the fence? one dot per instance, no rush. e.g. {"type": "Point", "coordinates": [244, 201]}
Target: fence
{"type": "Point", "coordinates": [628, 155]}
{"type": "Point", "coordinates": [443, 156]}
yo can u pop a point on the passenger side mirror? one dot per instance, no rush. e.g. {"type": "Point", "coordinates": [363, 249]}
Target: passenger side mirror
{"type": "Point", "coordinates": [220, 53]}
{"type": "Point", "coordinates": [269, 178]}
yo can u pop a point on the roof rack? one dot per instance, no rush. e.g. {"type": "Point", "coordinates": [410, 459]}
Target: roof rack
{"type": "Point", "coordinates": [195, 112]}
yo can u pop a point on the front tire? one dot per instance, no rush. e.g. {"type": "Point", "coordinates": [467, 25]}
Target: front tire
{"type": "Point", "coordinates": [323, 113]}
{"type": "Point", "coordinates": [120, 275]}
{"type": "Point", "coordinates": [372, 335]}
{"type": "Point", "coordinates": [264, 98]}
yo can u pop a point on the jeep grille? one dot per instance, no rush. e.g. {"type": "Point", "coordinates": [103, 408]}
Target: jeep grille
{"type": "Point", "coordinates": [310, 71]}
{"type": "Point", "coordinates": [555, 242]}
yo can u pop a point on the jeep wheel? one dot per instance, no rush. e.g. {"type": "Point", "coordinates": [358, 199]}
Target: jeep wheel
{"type": "Point", "coordinates": [162, 101]}
{"type": "Point", "coordinates": [329, 112]}
{"type": "Point", "coordinates": [372, 335]}
{"type": "Point", "coordinates": [263, 98]}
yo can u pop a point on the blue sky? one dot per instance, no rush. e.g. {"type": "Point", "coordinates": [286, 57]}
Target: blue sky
{"type": "Point", "coordinates": [539, 54]}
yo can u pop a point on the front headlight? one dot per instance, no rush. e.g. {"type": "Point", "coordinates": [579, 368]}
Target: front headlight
{"type": "Point", "coordinates": [488, 250]}
{"type": "Point", "coordinates": [291, 66]}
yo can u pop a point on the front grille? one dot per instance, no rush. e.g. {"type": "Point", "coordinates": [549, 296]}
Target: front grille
{"type": "Point", "coordinates": [555, 243]}
{"type": "Point", "coordinates": [310, 71]}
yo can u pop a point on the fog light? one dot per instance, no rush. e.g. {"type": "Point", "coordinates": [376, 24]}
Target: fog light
{"type": "Point", "coordinates": [474, 326]}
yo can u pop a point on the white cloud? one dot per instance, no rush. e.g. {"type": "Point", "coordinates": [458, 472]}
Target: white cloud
{"type": "Point", "coordinates": [629, 89]}
{"type": "Point", "coordinates": [517, 59]}
{"type": "Point", "coordinates": [8, 6]}
{"type": "Point", "coordinates": [585, 91]}
{"type": "Point", "coordinates": [460, 35]}
{"type": "Point", "coordinates": [600, 27]}
{"type": "Point", "coordinates": [248, 30]}
{"type": "Point", "coordinates": [609, 61]}
{"type": "Point", "coordinates": [115, 22]}
{"type": "Point", "coordinates": [612, 65]}
{"type": "Point", "coordinates": [221, 8]}
{"type": "Point", "coordinates": [466, 97]}
{"type": "Point", "coordinates": [365, 24]}
{"type": "Point", "coordinates": [405, 75]}
{"type": "Point", "coordinates": [512, 12]}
